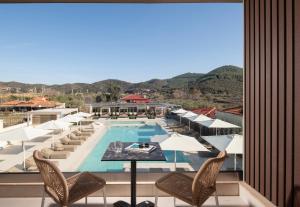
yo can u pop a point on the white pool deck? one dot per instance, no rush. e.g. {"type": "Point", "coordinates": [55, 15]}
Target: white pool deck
{"type": "Point", "coordinates": [69, 164]}
{"type": "Point", "coordinates": [11, 160]}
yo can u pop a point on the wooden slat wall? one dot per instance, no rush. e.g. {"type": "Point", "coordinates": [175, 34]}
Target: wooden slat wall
{"type": "Point", "coordinates": [272, 99]}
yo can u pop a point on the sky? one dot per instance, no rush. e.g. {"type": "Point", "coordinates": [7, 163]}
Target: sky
{"type": "Point", "coordinates": [66, 43]}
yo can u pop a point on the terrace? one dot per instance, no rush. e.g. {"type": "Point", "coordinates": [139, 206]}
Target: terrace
{"type": "Point", "coordinates": [272, 78]}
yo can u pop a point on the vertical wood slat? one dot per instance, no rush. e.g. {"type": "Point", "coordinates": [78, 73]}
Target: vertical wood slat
{"type": "Point", "coordinates": [272, 125]}
{"type": "Point", "coordinates": [262, 97]}
{"type": "Point", "coordinates": [268, 99]}
{"type": "Point", "coordinates": [247, 87]}
{"type": "Point", "coordinates": [256, 94]}
{"type": "Point", "coordinates": [296, 103]}
{"type": "Point", "coordinates": [252, 95]}
{"type": "Point", "coordinates": [281, 104]}
{"type": "Point", "coordinates": [289, 103]}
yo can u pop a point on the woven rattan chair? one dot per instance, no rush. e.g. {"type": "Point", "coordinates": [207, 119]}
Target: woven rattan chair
{"type": "Point", "coordinates": [194, 191]}
{"type": "Point", "coordinates": [67, 191]}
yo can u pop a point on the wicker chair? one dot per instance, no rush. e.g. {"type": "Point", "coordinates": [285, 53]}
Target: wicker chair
{"type": "Point", "coordinates": [66, 191]}
{"type": "Point", "coordinates": [194, 191]}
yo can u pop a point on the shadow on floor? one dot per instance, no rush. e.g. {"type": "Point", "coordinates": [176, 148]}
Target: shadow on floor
{"type": "Point", "coordinates": [40, 139]}
{"type": "Point", "coordinates": [14, 149]}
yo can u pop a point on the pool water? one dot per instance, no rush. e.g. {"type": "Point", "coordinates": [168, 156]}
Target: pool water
{"type": "Point", "coordinates": [128, 133]}
{"type": "Point", "coordinates": [127, 122]}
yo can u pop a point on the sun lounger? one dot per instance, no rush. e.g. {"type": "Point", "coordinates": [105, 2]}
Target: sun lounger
{"type": "Point", "coordinates": [74, 137]}
{"type": "Point", "coordinates": [50, 154]}
{"type": "Point", "coordinates": [87, 130]}
{"type": "Point", "coordinates": [30, 164]}
{"type": "Point", "coordinates": [90, 126]}
{"type": "Point", "coordinates": [67, 141]}
{"type": "Point", "coordinates": [64, 147]}
{"type": "Point", "coordinates": [82, 133]}
{"type": "Point", "coordinates": [79, 135]}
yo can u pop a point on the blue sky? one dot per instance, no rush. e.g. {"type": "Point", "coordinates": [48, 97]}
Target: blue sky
{"type": "Point", "coordinates": [60, 43]}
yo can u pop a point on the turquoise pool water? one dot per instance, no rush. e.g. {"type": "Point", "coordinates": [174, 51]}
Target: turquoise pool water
{"type": "Point", "coordinates": [126, 122]}
{"type": "Point", "coordinates": [126, 134]}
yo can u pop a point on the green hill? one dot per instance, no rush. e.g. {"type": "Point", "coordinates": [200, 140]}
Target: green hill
{"type": "Point", "coordinates": [183, 80]}
{"type": "Point", "coordinates": [222, 81]}
{"type": "Point", "coordinates": [227, 80]}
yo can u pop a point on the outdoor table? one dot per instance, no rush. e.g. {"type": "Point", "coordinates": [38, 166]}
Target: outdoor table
{"type": "Point", "coordinates": [111, 154]}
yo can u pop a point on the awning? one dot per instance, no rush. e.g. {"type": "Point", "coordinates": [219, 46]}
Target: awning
{"type": "Point", "coordinates": [54, 125]}
{"type": "Point", "coordinates": [83, 114]}
{"type": "Point", "coordinates": [71, 119]}
{"type": "Point", "coordinates": [23, 134]}
{"type": "Point", "coordinates": [179, 111]}
{"type": "Point", "coordinates": [217, 123]}
{"type": "Point", "coordinates": [188, 114]}
{"type": "Point", "coordinates": [179, 142]}
{"type": "Point", "coordinates": [199, 118]}
{"type": "Point", "coordinates": [232, 143]}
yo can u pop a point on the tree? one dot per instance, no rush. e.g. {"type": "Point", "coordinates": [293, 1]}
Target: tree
{"type": "Point", "coordinates": [114, 91]}
{"type": "Point", "coordinates": [99, 98]}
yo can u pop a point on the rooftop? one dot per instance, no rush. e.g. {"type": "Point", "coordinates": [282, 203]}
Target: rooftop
{"type": "Point", "coordinates": [35, 102]}
{"type": "Point", "coordinates": [135, 98]}
{"type": "Point", "coordinates": [235, 110]}
{"type": "Point", "coordinates": [61, 111]}
{"type": "Point", "coordinates": [210, 112]}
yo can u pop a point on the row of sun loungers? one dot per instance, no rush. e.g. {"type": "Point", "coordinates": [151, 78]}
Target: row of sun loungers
{"type": "Point", "coordinates": [51, 154]}
{"type": "Point", "coordinates": [62, 149]}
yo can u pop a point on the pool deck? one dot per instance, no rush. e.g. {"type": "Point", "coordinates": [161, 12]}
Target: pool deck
{"type": "Point", "coordinates": [11, 160]}
{"type": "Point", "coordinates": [78, 156]}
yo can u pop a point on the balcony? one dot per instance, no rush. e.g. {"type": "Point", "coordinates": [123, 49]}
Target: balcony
{"type": "Point", "coordinates": [17, 189]}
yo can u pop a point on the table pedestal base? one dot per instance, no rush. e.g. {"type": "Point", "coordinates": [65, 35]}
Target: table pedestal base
{"type": "Point", "coordinates": [125, 204]}
{"type": "Point", "coordinates": [121, 204]}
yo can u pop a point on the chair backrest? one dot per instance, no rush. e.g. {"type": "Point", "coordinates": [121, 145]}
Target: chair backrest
{"type": "Point", "coordinates": [204, 183]}
{"type": "Point", "coordinates": [54, 181]}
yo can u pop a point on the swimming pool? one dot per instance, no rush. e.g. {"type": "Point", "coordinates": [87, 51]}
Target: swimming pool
{"type": "Point", "coordinates": [127, 123]}
{"type": "Point", "coordinates": [127, 133]}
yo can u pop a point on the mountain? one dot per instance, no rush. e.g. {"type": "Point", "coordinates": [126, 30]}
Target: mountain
{"type": "Point", "coordinates": [85, 87]}
{"type": "Point", "coordinates": [227, 80]}
{"type": "Point", "coordinates": [223, 80]}
{"type": "Point", "coordinates": [183, 80]}
{"type": "Point", "coordinates": [177, 82]}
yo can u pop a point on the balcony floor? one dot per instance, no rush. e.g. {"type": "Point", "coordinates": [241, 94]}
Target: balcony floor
{"type": "Point", "coordinates": [232, 201]}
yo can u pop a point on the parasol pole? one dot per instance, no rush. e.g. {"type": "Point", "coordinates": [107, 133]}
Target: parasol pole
{"type": "Point", "coordinates": [234, 162]}
{"type": "Point", "coordinates": [175, 160]}
{"type": "Point", "coordinates": [23, 146]}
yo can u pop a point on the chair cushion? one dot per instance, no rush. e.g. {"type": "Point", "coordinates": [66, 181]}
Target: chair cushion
{"type": "Point", "coordinates": [46, 153]}
{"type": "Point", "coordinates": [65, 140]}
{"type": "Point", "coordinates": [177, 185]}
{"type": "Point", "coordinates": [58, 147]}
{"type": "Point", "coordinates": [30, 163]}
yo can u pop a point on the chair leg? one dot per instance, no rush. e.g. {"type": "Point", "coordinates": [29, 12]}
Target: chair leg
{"type": "Point", "coordinates": [43, 199]}
{"type": "Point", "coordinates": [217, 199]}
{"type": "Point", "coordinates": [156, 197]}
{"type": "Point", "coordinates": [174, 202]}
{"type": "Point", "coordinates": [86, 200]}
{"type": "Point", "coordinates": [104, 197]}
